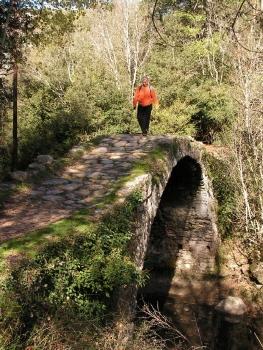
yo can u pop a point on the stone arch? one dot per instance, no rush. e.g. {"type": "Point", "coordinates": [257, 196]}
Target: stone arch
{"type": "Point", "coordinates": [181, 241]}
{"type": "Point", "coordinates": [187, 253]}
{"type": "Point", "coordinates": [181, 260]}
{"type": "Point", "coordinates": [173, 232]}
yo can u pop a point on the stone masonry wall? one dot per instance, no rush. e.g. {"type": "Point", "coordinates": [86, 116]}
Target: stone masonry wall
{"type": "Point", "coordinates": [184, 234]}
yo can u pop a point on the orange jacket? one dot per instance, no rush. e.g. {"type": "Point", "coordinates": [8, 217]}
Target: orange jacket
{"type": "Point", "coordinates": [145, 96]}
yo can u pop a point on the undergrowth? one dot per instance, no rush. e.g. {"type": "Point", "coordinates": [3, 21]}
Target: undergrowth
{"type": "Point", "coordinates": [78, 275]}
{"type": "Point", "coordinates": [74, 279]}
{"type": "Point", "coordinates": [225, 191]}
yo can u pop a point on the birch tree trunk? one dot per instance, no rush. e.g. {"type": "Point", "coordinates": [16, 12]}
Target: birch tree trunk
{"type": "Point", "coordinates": [123, 41]}
{"type": "Point", "coordinates": [248, 133]}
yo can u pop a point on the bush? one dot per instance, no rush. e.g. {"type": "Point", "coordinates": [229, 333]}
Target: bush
{"type": "Point", "coordinates": [226, 192]}
{"type": "Point", "coordinates": [214, 110]}
{"type": "Point", "coordinates": [79, 275]}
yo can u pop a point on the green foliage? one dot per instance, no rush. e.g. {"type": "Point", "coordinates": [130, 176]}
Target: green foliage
{"type": "Point", "coordinates": [214, 110]}
{"type": "Point", "coordinates": [4, 161]}
{"type": "Point", "coordinates": [57, 108]}
{"type": "Point", "coordinates": [226, 192]}
{"type": "Point", "coordinates": [195, 96]}
{"type": "Point", "coordinates": [29, 244]}
{"type": "Point", "coordinates": [182, 26]}
{"type": "Point", "coordinates": [79, 274]}
{"type": "Point", "coordinates": [175, 119]}
{"type": "Point", "coordinates": [67, 91]}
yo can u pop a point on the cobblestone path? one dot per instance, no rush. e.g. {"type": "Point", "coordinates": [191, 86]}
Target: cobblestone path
{"type": "Point", "coordinates": [78, 186]}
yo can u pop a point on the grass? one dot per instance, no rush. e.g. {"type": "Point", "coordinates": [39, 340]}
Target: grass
{"type": "Point", "coordinates": [29, 244]}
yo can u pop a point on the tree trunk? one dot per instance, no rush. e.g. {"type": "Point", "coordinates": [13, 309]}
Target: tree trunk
{"type": "Point", "coordinates": [209, 14]}
{"type": "Point", "coordinates": [15, 139]}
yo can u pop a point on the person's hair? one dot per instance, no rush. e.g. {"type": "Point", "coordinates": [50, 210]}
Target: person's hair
{"type": "Point", "coordinates": [145, 77]}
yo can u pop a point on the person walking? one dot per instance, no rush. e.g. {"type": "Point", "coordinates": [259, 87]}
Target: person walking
{"type": "Point", "coordinates": [144, 97]}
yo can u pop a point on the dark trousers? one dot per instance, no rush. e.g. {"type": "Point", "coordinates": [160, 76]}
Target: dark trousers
{"type": "Point", "coordinates": [143, 116]}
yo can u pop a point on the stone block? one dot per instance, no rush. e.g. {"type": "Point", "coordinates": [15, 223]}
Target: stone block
{"type": "Point", "coordinates": [76, 150]}
{"type": "Point", "coordinates": [19, 175]}
{"type": "Point", "coordinates": [70, 187]}
{"type": "Point", "coordinates": [55, 182]}
{"type": "Point", "coordinates": [99, 150]}
{"type": "Point", "coordinates": [233, 308]}
{"type": "Point", "coordinates": [37, 166]}
{"type": "Point", "coordinates": [45, 159]}
{"type": "Point", "coordinates": [256, 270]}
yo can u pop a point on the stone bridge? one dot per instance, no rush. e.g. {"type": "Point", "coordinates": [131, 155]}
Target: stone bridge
{"type": "Point", "coordinates": [98, 172]}
{"type": "Point", "coordinates": [185, 224]}
{"type": "Point", "coordinates": [176, 235]}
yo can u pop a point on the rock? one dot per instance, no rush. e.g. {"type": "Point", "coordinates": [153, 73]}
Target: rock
{"type": "Point", "coordinates": [86, 156]}
{"type": "Point", "coordinates": [99, 150]}
{"type": "Point", "coordinates": [116, 156]}
{"type": "Point", "coordinates": [69, 202]}
{"type": "Point", "coordinates": [71, 187]}
{"type": "Point", "coordinates": [77, 150]}
{"type": "Point", "coordinates": [94, 175]}
{"type": "Point", "coordinates": [86, 200]}
{"type": "Point", "coordinates": [71, 196]}
{"type": "Point", "coordinates": [72, 171]}
{"type": "Point", "coordinates": [45, 159]}
{"type": "Point", "coordinates": [107, 161]}
{"type": "Point", "coordinates": [42, 188]}
{"type": "Point", "coordinates": [126, 137]}
{"type": "Point", "coordinates": [36, 166]}
{"type": "Point", "coordinates": [120, 144]}
{"type": "Point", "coordinates": [76, 181]}
{"type": "Point", "coordinates": [83, 192]}
{"type": "Point", "coordinates": [163, 141]}
{"type": "Point", "coordinates": [106, 140]}
{"type": "Point", "coordinates": [80, 175]}
{"type": "Point", "coordinates": [256, 270]}
{"type": "Point", "coordinates": [52, 198]}
{"type": "Point", "coordinates": [245, 269]}
{"type": "Point", "coordinates": [19, 175]}
{"type": "Point", "coordinates": [33, 172]}
{"type": "Point", "coordinates": [54, 192]}
{"type": "Point", "coordinates": [233, 308]}
{"type": "Point", "coordinates": [35, 193]}
{"type": "Point", "coordinates": [125, 165]}
{"type": "Point", "coordinates": [55, 182]}
{"type": "Point", "coordinates": [7, 187]}
{"type": "Point", "coordinates": [105, 167]}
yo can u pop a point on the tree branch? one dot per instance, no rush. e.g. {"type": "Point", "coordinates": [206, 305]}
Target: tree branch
{"type": "Point", "coordinates": [156, 28]}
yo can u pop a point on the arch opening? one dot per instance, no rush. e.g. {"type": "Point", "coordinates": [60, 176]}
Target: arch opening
{"type": "Point", "coordinates": [172, 229]}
